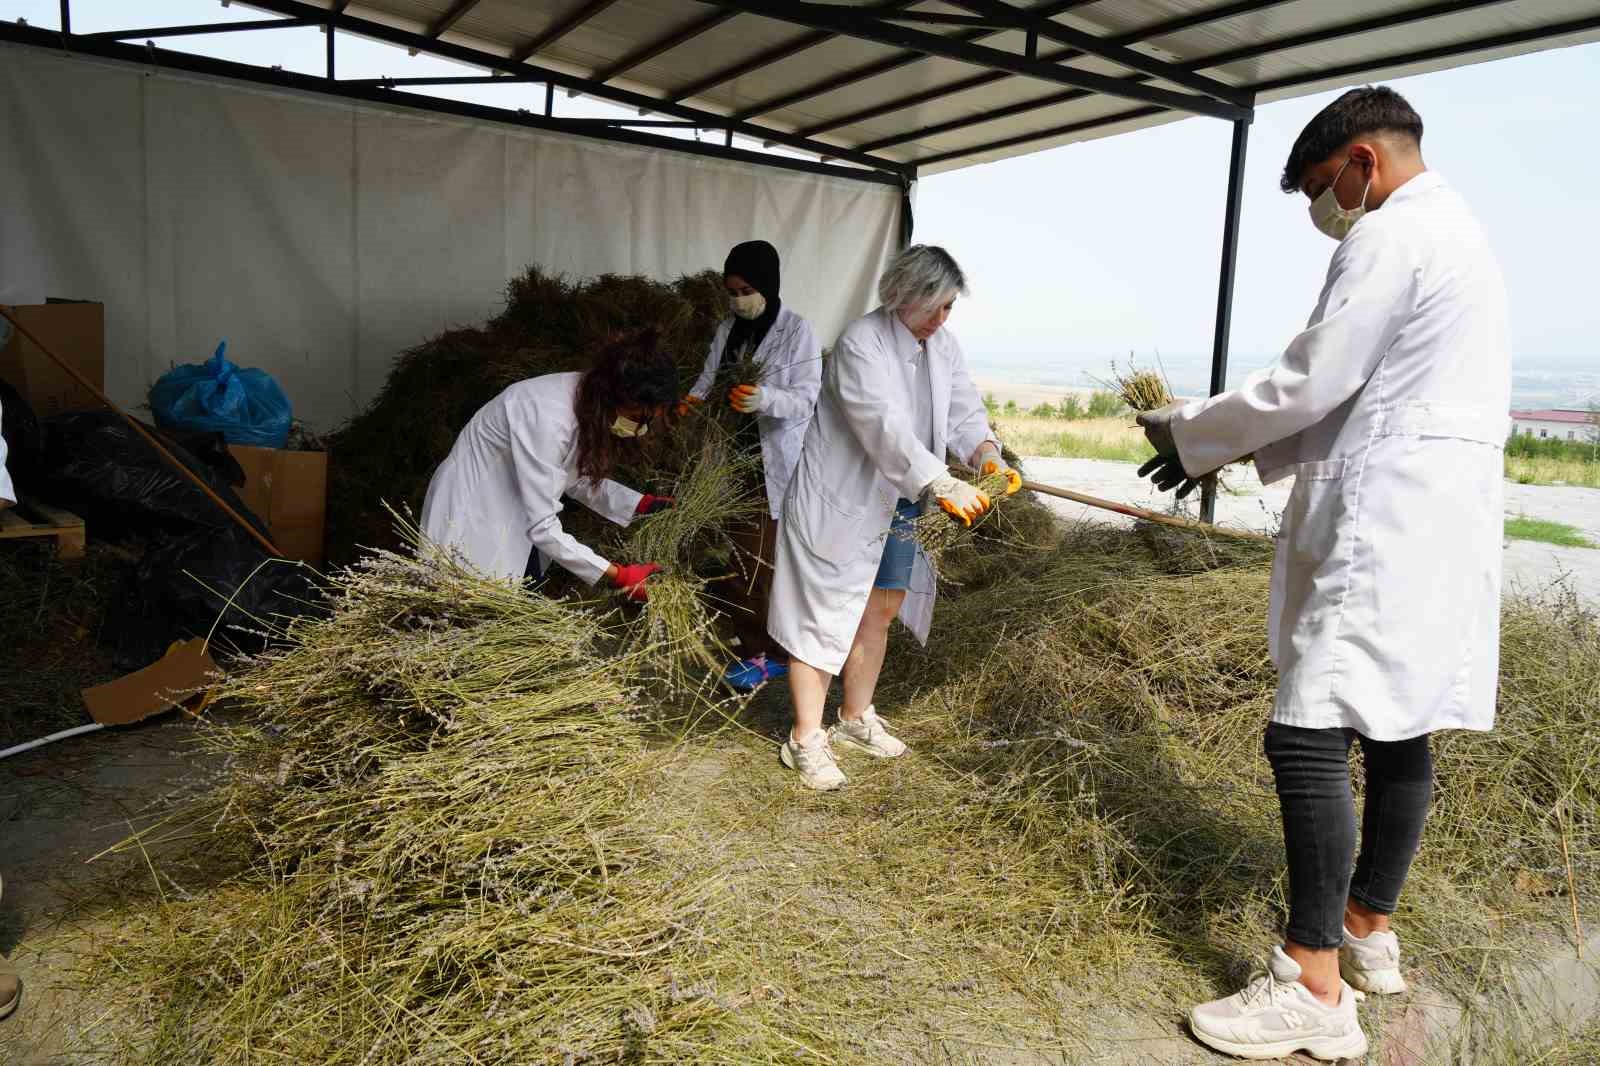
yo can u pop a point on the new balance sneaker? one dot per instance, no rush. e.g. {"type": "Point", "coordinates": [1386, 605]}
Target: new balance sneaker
{"type": "Point", "coordinates": [1276, 1015]}
{"type": "Point", "coordinates": [867, 734]}
{"type": "Point", "coordinates": [1372, 963]}
{"type": "Point", "coordinates": [814, 759]}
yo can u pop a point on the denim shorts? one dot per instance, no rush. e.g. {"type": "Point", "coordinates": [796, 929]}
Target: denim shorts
{"type": "Point", "coordinates": [899, 550]}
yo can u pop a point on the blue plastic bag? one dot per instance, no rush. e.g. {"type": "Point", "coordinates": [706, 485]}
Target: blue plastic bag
{"type": "Point", "coordinates": [245, 406]}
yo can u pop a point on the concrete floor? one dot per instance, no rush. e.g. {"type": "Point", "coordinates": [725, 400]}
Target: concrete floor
{"type": "Point", "coordinates": [1529, 566]}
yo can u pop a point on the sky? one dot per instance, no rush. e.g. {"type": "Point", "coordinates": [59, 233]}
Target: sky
{"type": "Point", "coordinates": [1082, 254]}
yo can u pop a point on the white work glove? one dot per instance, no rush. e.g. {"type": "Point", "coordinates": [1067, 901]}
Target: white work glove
{"type": "Point", "coordinates": [959, 499]}
{"type": "Point", "coordinates": [746, 399]}
{"type": "Point", "coordinates": [989, 461]}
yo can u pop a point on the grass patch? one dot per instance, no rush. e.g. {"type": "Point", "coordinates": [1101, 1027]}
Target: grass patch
{"type": "Point", "coordinates": [1115, 438]}
{"type": "Point", "coordinates": [1540, 470]}
{"type": "Point", "coordinates": [1546, 532]}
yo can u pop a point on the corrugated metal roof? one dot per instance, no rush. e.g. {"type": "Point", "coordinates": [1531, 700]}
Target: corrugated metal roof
{"type": "Point", "coordinates": [788, 67]}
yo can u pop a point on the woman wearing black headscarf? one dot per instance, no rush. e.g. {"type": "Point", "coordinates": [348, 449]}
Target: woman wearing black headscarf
{"type": "Point", "coordinates": [768, 359]}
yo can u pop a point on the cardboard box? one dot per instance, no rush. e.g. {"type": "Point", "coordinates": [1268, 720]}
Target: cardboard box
{"type": "Point", "coordinates": [289, 492]}
{"type": "Point", "coordinates": [169, 682]}
{"type": "Point", "coordinates": [74, 331]}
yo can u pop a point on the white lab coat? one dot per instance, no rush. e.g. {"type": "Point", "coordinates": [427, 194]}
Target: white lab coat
{"type": "Point", "coordinates": [498, 493]}
{"type": "Point", "coordinates": [861, 454]}
{"type": "Point", "coordinates": [790, 380]}
{"type": "Point", "coordinates": [1391, 413]}
{"type": "Point", "coordinates": [7, 492]}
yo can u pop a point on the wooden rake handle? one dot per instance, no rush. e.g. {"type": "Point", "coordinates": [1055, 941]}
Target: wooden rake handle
{"type": "Point", "coordinates": [1144, 515]}
{"type": "Point", "coordinates": [161, 449]}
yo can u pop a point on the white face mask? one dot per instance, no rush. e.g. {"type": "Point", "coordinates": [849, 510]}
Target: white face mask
{"type": "Point", "coordinates": [628, 429]}
{"type": "Point", "coordinates": [1329, 217]}
{"type": "Point", "coordinates": [748, 307]}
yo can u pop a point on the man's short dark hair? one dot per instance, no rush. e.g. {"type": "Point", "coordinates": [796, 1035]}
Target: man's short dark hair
{"type": "Point", "coordinates": [1369, 109]}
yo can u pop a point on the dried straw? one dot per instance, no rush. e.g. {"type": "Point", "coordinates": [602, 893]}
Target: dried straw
{"type": "Point", "coordinates": [1142, 390]}
{"type": "Point", "coordinates": [460, 848]}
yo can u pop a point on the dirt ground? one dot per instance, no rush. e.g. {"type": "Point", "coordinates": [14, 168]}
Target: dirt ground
{"type": "Point", "coordinates": [61, 808]}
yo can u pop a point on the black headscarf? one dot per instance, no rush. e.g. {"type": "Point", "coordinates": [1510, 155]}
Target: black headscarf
{"type": "Point", "coordinates": [757, 263]}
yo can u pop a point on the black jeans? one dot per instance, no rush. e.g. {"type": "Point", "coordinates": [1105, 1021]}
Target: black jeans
{"type": "Point", "coordinates": [1312, 770]}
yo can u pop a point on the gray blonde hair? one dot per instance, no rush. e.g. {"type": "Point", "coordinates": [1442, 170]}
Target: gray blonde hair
{"type": "Point", "coordinates": [920, 277]}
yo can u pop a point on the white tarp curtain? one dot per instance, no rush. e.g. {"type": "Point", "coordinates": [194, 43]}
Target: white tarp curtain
{"type": "Point", "coordinates": [322, 237]}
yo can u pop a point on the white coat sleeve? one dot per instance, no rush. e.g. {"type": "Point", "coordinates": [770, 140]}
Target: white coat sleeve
{"type": "Point", "coordinates": [608, 499]}
{"type": "Point", "coordinates": [874, 407]}
{"type": "Point", "coordinates": [797, 377]}
{"type": "Point", "coordinates": [1370, 292]}
{"type": "Point", "coordinates": [8, 492]}
{"type": "Point", "coordinates": [708, 373]}
{"type": "Point", "coordinates": [540, 482]}
{"type": "Point", "coordinates": [969, 419]}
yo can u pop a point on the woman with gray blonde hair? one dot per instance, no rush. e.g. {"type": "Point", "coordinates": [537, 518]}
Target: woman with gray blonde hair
{"type": "Point", "coordinates": [896, 400]}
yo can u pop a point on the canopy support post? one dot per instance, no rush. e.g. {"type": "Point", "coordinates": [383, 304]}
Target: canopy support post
{"type": "Point", "coordinates": [1230, 256]}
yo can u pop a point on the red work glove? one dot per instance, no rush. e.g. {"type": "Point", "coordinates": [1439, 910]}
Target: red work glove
{"type": "Point", "coordinates": [649, 504]}
{"type": "Point", "coordinates": [631, 578]}
{"type": "Point", "coordinates": [746, 399]}
{"type": "Point", "coordinates": [686, 405]}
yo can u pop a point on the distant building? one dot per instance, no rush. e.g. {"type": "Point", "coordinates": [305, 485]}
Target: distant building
{"type": "Point", "coordinates": [1564, 423]}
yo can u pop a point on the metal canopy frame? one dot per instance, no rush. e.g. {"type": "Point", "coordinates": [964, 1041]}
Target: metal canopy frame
{"type": "Point", "coordinates": [1153, 87]}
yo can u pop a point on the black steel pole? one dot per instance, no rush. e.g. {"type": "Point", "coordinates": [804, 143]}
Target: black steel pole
{"type": "Point", "coordinates": [1230, 256]}
{"type": "Point", "coordinates": [66, 18]}
{"type": "Point", "coordinates": [330, 46]}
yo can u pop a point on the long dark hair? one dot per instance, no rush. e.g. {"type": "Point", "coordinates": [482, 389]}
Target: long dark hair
{"type": "Point", "coordinates": [629, 370]}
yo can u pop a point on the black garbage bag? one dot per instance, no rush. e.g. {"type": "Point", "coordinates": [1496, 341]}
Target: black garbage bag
{"type": "Point", "coordinates": [212, 583]}
{"type": "Point", "coordinates": [212, 450]}
{"type": "Point", "coordinates": [24, 440]}
{"type": "Point", "coordinates": [96, 466]}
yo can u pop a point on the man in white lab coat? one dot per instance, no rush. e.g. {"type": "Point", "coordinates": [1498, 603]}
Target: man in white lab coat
{"type": "Point", "coordinates": [1390, 412]}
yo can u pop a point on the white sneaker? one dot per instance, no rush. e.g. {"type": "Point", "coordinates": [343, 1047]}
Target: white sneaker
{"type": "Point", "coordinates": [1276, 1015]}
{"type": "Point", "coordinates": [868, 734]}
{"type": "Point", "coordinates": [814, 759]}
{"type": "Point", "coordinates": [1372, 963]}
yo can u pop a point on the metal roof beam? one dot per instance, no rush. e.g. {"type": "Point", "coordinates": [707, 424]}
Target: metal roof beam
{"type": "Point", "coordinates": [468, 79]}
{"type": "Point", "coordinates": [560, 29]}
{"type": "Point", "coordinates": [1350, 70]}
{"type": "Point", "coordinates": [1045, 135]}
{"type": "Point", "coordinates": [1090, 44]}
{"type": "Point", "coordinates": [457, 11]}
{"type": "Point", "coordinates": [204, 27]}
{"type": "Point", "coordinates": [853, 22]}
{"type": "Point", "coordinates": [1160, 29]}
{"type": "Point", "coordinates": [1425, 55]}
{"type": "Point", "coordinates": [1403, 17]}
{"type": "Point", "coordinates": [665, 44]}
{"type": "Point", "coordinates": [1253, 51]}
{"type": "Point", "coordinates": [380, 31]}
{"type": "Point", "coordinates": [882, 66]}
{"type": "Point", "coordinates": [139, 55]}
{"type": "Point", "coordinates": [769, 57]}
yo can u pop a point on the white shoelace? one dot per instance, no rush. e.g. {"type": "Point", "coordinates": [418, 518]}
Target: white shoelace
{"type": "Point", "coordinates": [1263, 982]}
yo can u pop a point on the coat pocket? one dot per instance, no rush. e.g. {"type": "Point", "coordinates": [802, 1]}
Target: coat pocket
{"type": "Point", "coordinates": [1316, 517]}
{"type": "Point", "coordinates": [831, 530]}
